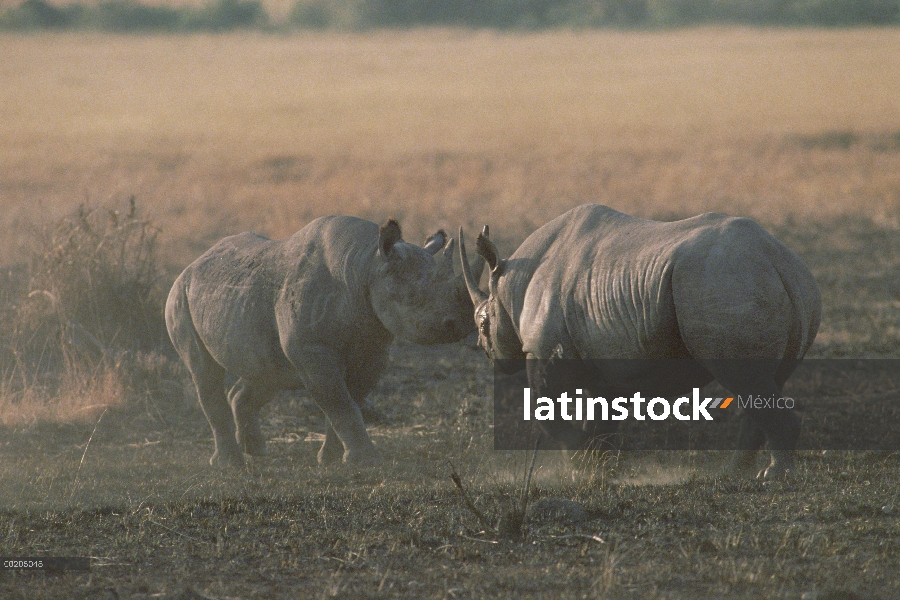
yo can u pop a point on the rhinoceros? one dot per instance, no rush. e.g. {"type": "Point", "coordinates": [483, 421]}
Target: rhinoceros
{"type": "Point", "coordinates": [318, 311]}
{"type": "Point", "coordinates": [595, 283]}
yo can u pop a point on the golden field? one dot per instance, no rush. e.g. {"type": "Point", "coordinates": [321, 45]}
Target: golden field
{"type": "Point", "coordinates": [216, 134]}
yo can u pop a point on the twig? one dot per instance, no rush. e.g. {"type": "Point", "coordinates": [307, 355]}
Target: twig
{"type": "Point", "coordinates": [193, 539]}
{"type": "Point", "coordinates": [478, 514]}
{"type": "Point", "coordinates": [583, 536]}
{"type": "Point", "coordinates": [466, 537]}
{"type": "Point", "coordinates": [98, 561]}
{"type": "Point", "coordinates": [523, 501]}
{"type": "Point", "coordinates": [83, 454]}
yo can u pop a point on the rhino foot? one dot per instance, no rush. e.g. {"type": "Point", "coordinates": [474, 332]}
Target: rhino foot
{"type": "Point", "coordinates": [331, 452]}
{"type": "Point", "coordinates": [370, 414]}
{"type": "Point", "coordinates": [370, 457]}
{"type": "Point", "coordinates": [254, 446]}
{"type": "Point", "coordinates": [223, 460]}
{"type": "Point", "coordinates": [742, 464]}
{"type": "Point", "coordinates": [782, 466]}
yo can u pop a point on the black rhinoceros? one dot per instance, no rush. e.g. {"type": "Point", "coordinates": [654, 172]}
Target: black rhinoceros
{"type": "Point", "coordinates": [317, 310]}
{"type": "Point", "coordinates": [598, 284]}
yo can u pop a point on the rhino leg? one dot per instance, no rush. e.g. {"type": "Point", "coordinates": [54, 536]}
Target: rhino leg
{"type": "Point", "coordinates": [371, 415]}
{"type": "Point", "coordinates": [209, 378]}
{"type": "Point", "coordinates": [782, 434]}
{"type": "Point", "coordinates": [332, 451]}
{"type": "Point", "coordinates": [548, 378]}
{"type": "Point", "coordinates": [363, 372]}
{"type": "Point", "coordinates": [323, 374]}
{"type": "Point", "coordinates": [780, 427]}
{"type": "Point", "coordinates": [782, 430]}
{"type": "Point", "coordinates": [246, 401]}
{"type": "Point", "coordinates": [750, 439]}
{"type": "Point", "coordinates": [211, 391]}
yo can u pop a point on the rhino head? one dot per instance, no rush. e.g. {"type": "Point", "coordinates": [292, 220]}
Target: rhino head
{"type": "Point", "coordinates": [496, 331]}
{"type": "Point", "coordinates": [415, 293]}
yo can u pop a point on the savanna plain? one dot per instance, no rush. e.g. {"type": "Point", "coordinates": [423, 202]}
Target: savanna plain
{"type": "Point", "coordinates": [123, 158]}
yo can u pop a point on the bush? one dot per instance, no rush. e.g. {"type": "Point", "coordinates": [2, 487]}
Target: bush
{"type": "Point", "coordinates": [84, 318]}
{"type": "Point", "coordinates": [532, 14]}
{"type": "Point", "coordinates": [123, 16]}
{"type": "Point", "coordinates": [225, 15]}
{"type": "Point", "coordinates": [842, 12]}
{"type": "Point", "coordinates": [312, 15]}
{"type": "Point", "coordinates": [40, 14]}
{"type": "Point", "coordinates": [502, 14]}
{"type": "Point", "coordinates": [98, 268]}
{"type": "Point", "coordinates": [131, 16]}
{"type": "Point", "coordinates": [91, 290]}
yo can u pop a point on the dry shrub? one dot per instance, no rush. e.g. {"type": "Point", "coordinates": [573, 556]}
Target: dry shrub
{"type": "Point", "coordinates": [83, 324]}
{"type": "Point", "coordinates": [98, 269]}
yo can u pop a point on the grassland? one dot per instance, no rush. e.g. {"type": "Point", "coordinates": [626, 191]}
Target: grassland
{"type": "Point", "coordinates": [222, 133]}
{"type": "Point", "coordinates": [799, 129]}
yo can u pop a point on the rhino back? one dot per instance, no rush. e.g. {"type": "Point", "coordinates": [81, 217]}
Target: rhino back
{"type": "Point", "coordinates": [248, 295]}
{"type": "Point", "coordinates": [605, 284]}
{"type": "Point", "coordinates": [601, 287]}
{"type": "Point", "coordinates": [327, 269]}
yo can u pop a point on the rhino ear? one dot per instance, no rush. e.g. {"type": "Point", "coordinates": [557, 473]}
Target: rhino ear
{"type": "Point", "coordinates": [446, 257]}
{"type": "Point", "coordinates": [388, 235]}
{"type": "Point", "coordinates": [488, 251]}
{"type": "Point", "coordinates": [434, 243]}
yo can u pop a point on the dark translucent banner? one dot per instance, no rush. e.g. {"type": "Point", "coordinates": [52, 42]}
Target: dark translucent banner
{"type": "Point", "coordinates": [681, 404]}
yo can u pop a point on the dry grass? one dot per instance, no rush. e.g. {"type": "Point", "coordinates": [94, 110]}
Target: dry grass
{"type": "Point", "coordinates": [223, 133]}
{"type": "Point", "coordinates": [218, 134]}
{"type": "Point", "coordinates": [82, 398]}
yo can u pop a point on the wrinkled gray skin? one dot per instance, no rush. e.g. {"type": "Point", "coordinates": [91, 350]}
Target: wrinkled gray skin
{"type": "Point", "coordinates": [315, 311]}
{"type": "Point", "coordinates": [596, 283]}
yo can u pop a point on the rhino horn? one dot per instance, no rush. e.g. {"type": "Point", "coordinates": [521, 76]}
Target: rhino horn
{"type": "Point", "coordinates": [475, 292]}
{"type": "Point", "coordinates": [478, 263]}
{"type": "Point", "coordinates": [434, 243]}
